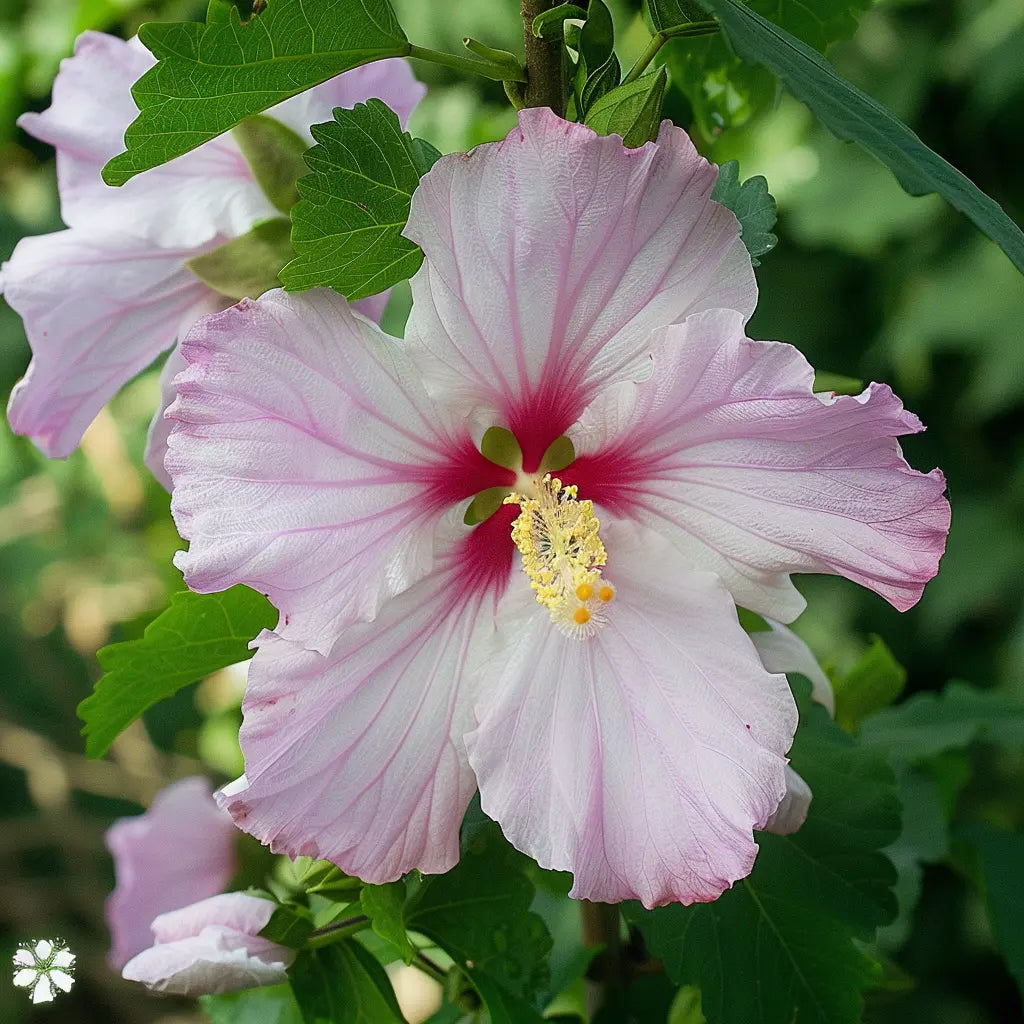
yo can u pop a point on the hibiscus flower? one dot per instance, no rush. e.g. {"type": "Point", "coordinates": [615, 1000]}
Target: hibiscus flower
{"type": "Point", "coordinates": [102, 299]}
{"type": "Point", "coordinates": [507, 551]}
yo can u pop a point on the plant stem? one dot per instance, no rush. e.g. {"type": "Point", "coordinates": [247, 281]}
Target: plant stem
{"type": "Point", "coordinates": [659, 39]}
{"type": "Point", "coordinates": [337, 931]}
{"type": "Point", "coordinates": [543, 62]}
{"type": "Point", "coordinates": [601, 924]}
{"type": "Point", "coordinates": [428, 967]}
{"type": "Point", "coordinates": [488, 69]}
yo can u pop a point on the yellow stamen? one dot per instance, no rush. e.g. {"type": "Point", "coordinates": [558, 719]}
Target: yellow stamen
{"type": "Point", "coordinates": [557, 535]}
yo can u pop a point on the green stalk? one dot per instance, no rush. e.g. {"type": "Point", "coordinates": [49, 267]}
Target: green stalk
{"type": "Point", "coordinates": [503, 72]}
{"type": "Point", "coordinates": [331, 933]}
{"type": "Point", "coordinates": [659, 39]}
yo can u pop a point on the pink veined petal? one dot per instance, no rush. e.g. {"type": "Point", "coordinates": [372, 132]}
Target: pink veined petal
{"type": "Point", "coordinates": [235, 911]}
{"type": "Point", "coordinates": [781, 650]}
{"type": "Point", "coordinates": [309, 463]}
{"type": "Point", "coordinates": [357, 757]}
{"type": "Point", "coordinates": [210, 947]}
{"type": "Point", "coordinates": [185, 202]}
{"type": "Point", "coordinates": [642, 758]}
{"type": "Point", "coordinates": [792, 812]}
{"type": "Point", "coordinates": [160, 426]}
{"type": "Point", "coordinates": [389, 80]}
{"type": "Point", "coordinates": [98, 308]}
{"type": "Point", "coordinates": [730, 454]}
{"type": "Point", "coordinates": [181, 850]}
{"type": "Point", "coordinates": [550, 257]}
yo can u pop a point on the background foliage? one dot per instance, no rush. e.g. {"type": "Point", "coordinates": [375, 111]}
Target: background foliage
{"type": "Point", "coordinates": [868, 282]}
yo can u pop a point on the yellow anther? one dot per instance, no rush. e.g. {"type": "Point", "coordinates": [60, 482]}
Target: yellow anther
{"type": "Point", "coordinates": [606, 593]}
{"type": "Point", "coordinates": [557, 535]}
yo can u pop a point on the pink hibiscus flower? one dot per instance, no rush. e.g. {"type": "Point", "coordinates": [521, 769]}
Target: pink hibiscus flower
{"type": "Point", "coordinates": [102, 299]}
{"type": "Point", "coordinates": [210, 947]}
{"type": "Point", "coordinates": [181, 850]}
{"type": "Point", "coordinates": [598, 689]}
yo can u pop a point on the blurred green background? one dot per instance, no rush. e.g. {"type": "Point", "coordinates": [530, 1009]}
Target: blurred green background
{"type": "Point", "coordinates": [866, 281]}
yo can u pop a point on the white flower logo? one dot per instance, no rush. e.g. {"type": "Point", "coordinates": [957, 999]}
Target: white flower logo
{"type": "Point", "coordinates": [44, 966]}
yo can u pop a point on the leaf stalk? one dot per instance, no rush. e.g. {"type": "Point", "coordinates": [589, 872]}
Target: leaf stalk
{"type": "Point", "coordinates": [503, 72]}
{"type": "Point", "coordinates": [659, 39]}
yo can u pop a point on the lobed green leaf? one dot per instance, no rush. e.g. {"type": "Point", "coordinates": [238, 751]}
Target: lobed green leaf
{"type": "Point", "coordinates": [347, 228]}
{"type": "Point", "coordinates": [210, 77]}
{"type": "Point", "coordinates": [196, 635]}
{"type": "Point", "coordinates": [753, 205]}
{"type": "Point", "coordinates": [479, 914]}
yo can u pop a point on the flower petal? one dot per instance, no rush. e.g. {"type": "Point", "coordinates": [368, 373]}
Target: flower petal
{"type": "Point", "coordinates": [781, 650]}
{"type": "Point", "coordinates": [207, 964]}
{"type": "Point", "coordinates": [356, 757]}
{"type": "Point", "coordinates": [550, 257]}
{"type": "Point", "coordinates": [389, 80]}
{"type": "Point", "coordinates": [729, 453]}
{"type": "Point", "coordinates": [640, 758]}
{"type": "Point", "coordinates": [98, 309]}
{"type": "Point", "coordinates": [183, 203]}
{"type": "Point", "coordinates": [309, 463]}
{"type": "Point", "coordinates": [236, 911]}
{"type": "Point", "coordinates": [181, 850]}
{"type": "Point", "coordinates": [792, 812]}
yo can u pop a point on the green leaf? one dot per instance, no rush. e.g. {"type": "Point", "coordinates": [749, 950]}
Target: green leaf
{"type": "Point", "coordinates": [753, 205]}
{"type": "Point", "coordinates": [810, 896]}
{"type": "Point", "coordinates": [502, 1006]}
{"type": "Point", "coordinates": [210, 77]}
{"type": "Point", "coordinates": [550, 24]}
{"type": "Point", "coordinates": [873, 683]}
{"type": "Point", "coordinates": [930, 723]}
{"type": "Point", "coordinates": [1001, 857]}
{"type": "Point", "coordinates": [343, 984]}
{"type": "Point", "coordinates": [425, 155]}
{"type": "Point", "coordinates": [724, 90]}
{"type": "Point", "coordinates": [669, 13]}
{"type": "Point", "coordinates": [598, 71]}
{"type": "Point", "coordinates": [274, 1004]}
{"type": "Point", "coordinates": [479, 913]}
{"type": "Point", "coordinates": [632, 111]}
{"type": "Point", "coordinates": [346, 231]}
{"type": "Point", "coordinates": [248, 265]}
{"type": "Point", "coordinates": [384, 905]}
{"type": "Point", "coordinates": [274, 152]}
{"type": "Point", "coordinates": [289, 926]}
{"type": "Point", "coordinates": [196, 635]}
{"type": "Point", "coordinates": [852, 115]}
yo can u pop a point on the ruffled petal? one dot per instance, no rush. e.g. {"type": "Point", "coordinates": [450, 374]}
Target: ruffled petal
{"type": "Point", "coordinates": [234, 911]}
{"type": "Point", "coordinates": [181, 850]}
{"type": "Point", "coordinates": [550, 257]}
{"type": "Point", "coordinates": [792, 812]}
{"type": "Point", "coordinates": [212, 946]}
{"type": "Point", "coordinates": [309, 463]}
{"type": "Point", "coordinates": [729, 453]}
{"type": "Point", "coordinates": [389, 80]}
{"type": "Point", "coordinates": [183, 203]}
{"type": "Point", "coordinates": [356, 757]}
{"type": "Point", "coordinates": [640, 758]}
{"type": "Point", "coordinates": [781, 650]}
{"type": "Point", "coordinates": [98, 308]}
